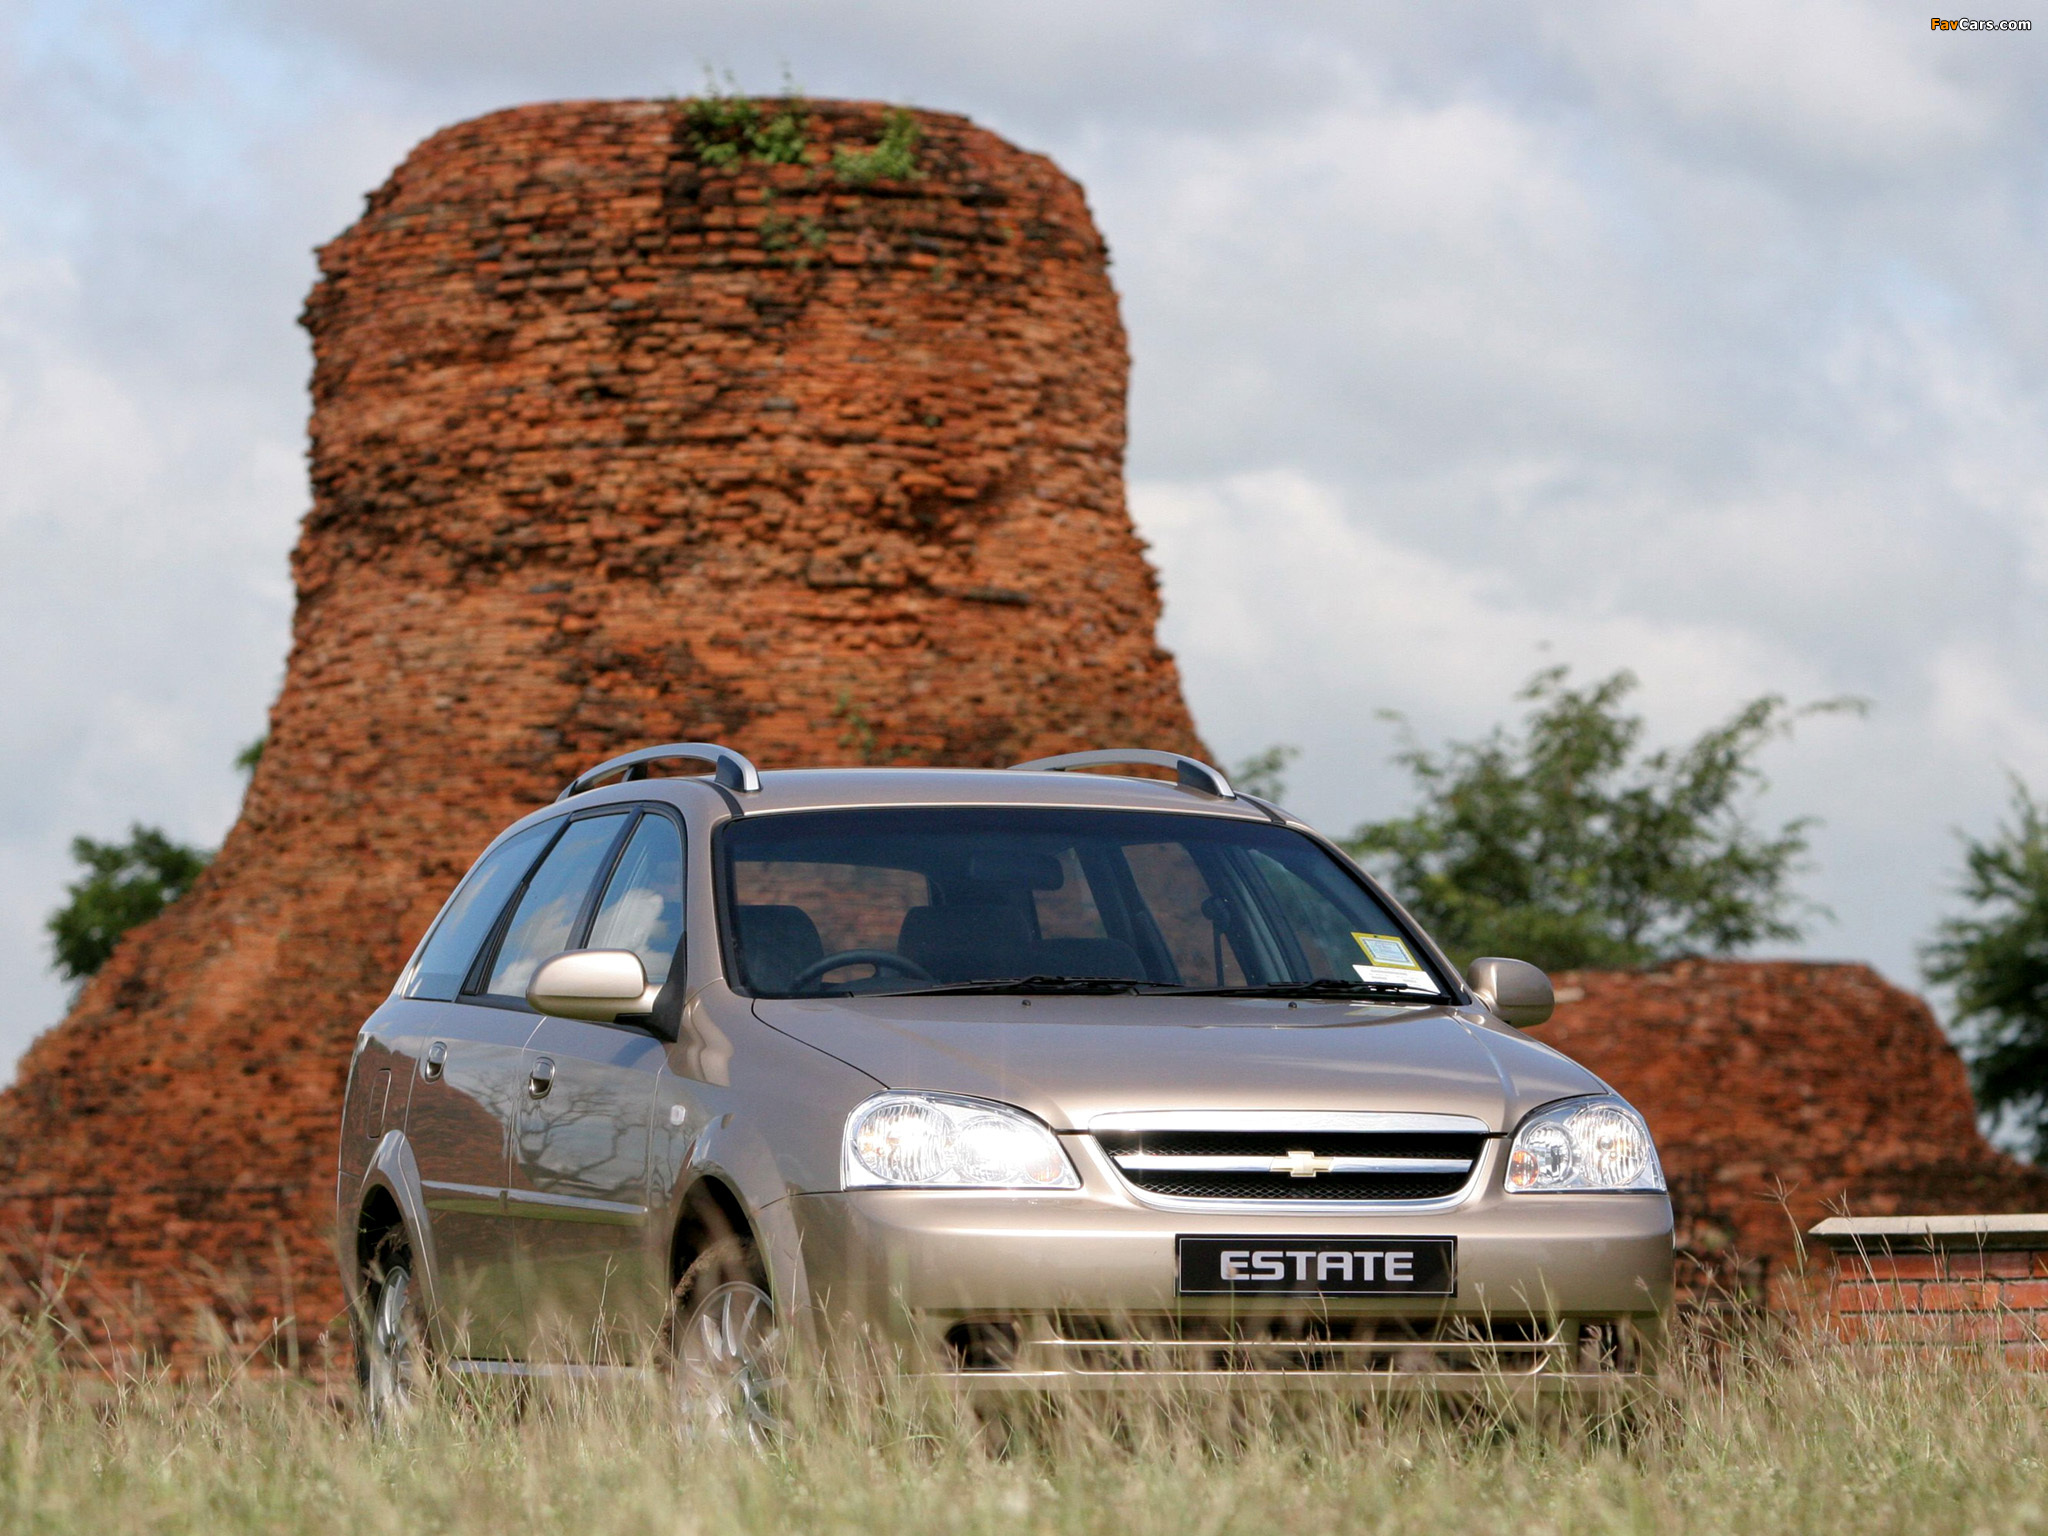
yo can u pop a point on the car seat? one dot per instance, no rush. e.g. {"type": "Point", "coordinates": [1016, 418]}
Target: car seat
{"type": "Point", "coordinates": [775, 945]}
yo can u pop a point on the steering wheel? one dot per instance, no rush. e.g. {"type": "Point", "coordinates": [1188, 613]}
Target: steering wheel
{"type": "Point", "coordinates": [880, 959]}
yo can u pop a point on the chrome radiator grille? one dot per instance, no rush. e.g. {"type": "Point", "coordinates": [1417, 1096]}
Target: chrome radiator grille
{"type": "Point", "coordinates": [1294, 1164]}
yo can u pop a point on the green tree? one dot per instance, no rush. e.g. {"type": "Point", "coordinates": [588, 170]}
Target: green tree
{"type": "Point", "coordinates": [1567, 846]}
{"type": "Point", "coordinates": [1996, 960]}
{"type": "Point", "coordinates": [124, 886]}
{"type": "Point", "coordinates": [1265, 773]}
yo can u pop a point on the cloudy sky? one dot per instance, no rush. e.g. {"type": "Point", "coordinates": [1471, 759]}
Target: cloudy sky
{"type": "Point", "coordinates": [1707, 341]}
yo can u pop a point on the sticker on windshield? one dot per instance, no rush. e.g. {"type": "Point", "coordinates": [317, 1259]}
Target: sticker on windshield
{"type": "Point", "coordinates": [1396, 976]}
{"type": "Point", "coordinates": [1385, 949]}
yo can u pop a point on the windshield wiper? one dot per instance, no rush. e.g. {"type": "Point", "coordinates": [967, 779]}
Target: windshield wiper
{"type": "Point", "coordinates": [1322, 986]}
{"type": "Point", "coordinates": [1107, 985]}
{"type": "Point", "coordinates": [1077, 984]}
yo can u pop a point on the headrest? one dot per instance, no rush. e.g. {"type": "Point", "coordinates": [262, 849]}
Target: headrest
{"type": "Point", "coordinates": [1033, 871]}
{"type": "Point", "coordinates": [967, 942]}
{"type": "Point", "coordinates": [776, 943]}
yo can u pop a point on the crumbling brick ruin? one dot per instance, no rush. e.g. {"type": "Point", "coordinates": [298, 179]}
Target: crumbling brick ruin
{"type": "Point", "coordinates": [1781, 1092]}
{"type": "Point", "coordinates": [638, 422]}
{"type": "Point", "coordinates": [621, 433]}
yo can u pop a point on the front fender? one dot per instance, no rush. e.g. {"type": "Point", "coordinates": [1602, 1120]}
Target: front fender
{"type": "Point", "coordinates": [742, 1161]}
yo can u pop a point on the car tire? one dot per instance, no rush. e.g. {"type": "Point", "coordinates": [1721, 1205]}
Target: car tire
{"type": "Point", "coordinates": [391, 1354]}
{"type": "Point", "coordinates": [726, 1353]}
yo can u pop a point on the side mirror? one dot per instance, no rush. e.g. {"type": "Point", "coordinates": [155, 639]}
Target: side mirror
{"type": "Point", "coordinates": [1514, 989]}
{"type": "Point", "coordinates": [594, 984]}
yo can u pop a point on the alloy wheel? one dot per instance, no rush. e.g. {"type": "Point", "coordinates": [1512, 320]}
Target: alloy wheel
{"type": "Point", "coordinates": [392, 1353]}
{"type": "Point", "coordinates": [728, 1363]}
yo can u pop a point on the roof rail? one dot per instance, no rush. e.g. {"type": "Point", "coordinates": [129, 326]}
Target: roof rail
{"type": "Point", "coordinates": [1190, 772]}
{"type": "Point", "coordinates": [728, 768]}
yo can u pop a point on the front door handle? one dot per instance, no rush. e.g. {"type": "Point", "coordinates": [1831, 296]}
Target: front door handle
{"type": "Point", "coordinates": [541, 1078]}
{"type": "Point", "coordinates": [437, 1058]}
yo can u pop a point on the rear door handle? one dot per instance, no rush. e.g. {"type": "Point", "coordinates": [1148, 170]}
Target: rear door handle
{"type": "Point", "coordinates": [541, 1078]}
{"type": "Point", "coordinates": [437, 1058]}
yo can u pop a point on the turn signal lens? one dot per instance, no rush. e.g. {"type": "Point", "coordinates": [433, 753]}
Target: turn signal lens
{"type": "Point", "coordinates": [938, 1141]}
{"type": "Point", "coordinates": [1582, 1147]}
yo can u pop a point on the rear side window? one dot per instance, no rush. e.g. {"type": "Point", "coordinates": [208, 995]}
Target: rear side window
{"type": "Point", "coordinates": [642, 909]}
{"type": "Point", "coordinates": [466, 922]}
{"type": "Point", "coordinates": [544, 922]}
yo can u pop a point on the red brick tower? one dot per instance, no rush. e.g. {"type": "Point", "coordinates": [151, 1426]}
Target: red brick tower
{"type": "Point", "coordinates": [796, 428]}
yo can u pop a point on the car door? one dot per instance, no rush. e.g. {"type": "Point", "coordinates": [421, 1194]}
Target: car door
{"type": "Point", "coordinates": [590, 1272]}
{"type": "Point", "coordinates": [469, 1110]}
{"type": "Point", "coordinates": [465, 1068]}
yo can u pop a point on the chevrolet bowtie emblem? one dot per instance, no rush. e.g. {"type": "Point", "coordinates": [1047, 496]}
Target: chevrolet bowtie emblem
{"type": "Point", "coordinates": [1304, 1164]}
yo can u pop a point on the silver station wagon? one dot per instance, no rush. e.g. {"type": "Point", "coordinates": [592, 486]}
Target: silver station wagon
{"type": "Point", "coordinates": [1030, 1078]}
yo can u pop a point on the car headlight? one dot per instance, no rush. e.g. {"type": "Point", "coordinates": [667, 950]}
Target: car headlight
{"type": "Point", "coordinates": [1585, 1145]}
{"type": "Point", "coordinates": [936, 1141]}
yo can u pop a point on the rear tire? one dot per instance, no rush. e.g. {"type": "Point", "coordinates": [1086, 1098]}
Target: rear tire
{"type": "Point", "coordinates": [726, 1348]}
{"type": "Point", "coordinates": [391, 1356]}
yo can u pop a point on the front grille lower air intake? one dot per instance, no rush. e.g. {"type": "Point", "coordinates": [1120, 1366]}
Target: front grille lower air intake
{"type": "Point", "coordinates": [1323, 1158]}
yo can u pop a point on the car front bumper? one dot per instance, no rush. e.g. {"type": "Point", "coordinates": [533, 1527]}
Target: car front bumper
{"type": "Point", "coordinates": [1008, 1289]}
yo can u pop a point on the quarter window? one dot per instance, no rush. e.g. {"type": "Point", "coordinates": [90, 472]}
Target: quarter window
{"type": "Point", "coordinates": [467, 921]}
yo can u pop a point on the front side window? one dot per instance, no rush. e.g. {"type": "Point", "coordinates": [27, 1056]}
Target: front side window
{"type": "Point", "coordinates": [642, 905]}
{"type": "Point", "coordinates": [467, 922]}
{"type": "Point", "coordinates": [967, 898]}
{"type": "Point", "coordinates": [544, 922]}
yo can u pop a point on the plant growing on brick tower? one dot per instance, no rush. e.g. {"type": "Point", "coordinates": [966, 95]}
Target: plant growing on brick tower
{"type": "Point", "coordinates": [1568, 846]}
{"type": "Point", "coordinates": [726, 128]}
{"type": "Point", "coordinates": [894, 158]}
{"type": "Point", "coordinates": [1996, 959]}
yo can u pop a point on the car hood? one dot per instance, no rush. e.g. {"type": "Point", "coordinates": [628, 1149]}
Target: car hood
{"type": "Point", "coordinates": [1070, 1059]}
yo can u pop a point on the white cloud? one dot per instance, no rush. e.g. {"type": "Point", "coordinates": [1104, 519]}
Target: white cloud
{"type": "Point", "coordinates": [1368, 624]}
{"type": "Point", "coordinates": [1843, 87]}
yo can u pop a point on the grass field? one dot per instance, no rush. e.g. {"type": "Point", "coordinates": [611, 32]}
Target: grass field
{"type": "Point", "coordinates": [1798, 1437]}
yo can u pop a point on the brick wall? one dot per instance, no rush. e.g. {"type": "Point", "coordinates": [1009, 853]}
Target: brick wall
{"type": "Point", "coordinates": [1943, 1283]}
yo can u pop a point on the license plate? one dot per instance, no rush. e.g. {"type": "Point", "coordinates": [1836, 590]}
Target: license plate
{"type": "Point", "coordinates": [1318, 1266]}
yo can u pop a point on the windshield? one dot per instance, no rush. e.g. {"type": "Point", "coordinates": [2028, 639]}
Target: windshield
{"type": "Point", "coordinates": [1043, 899]}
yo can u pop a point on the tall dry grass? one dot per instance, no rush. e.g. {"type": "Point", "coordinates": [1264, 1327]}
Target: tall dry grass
{"type": "Point", "coordinates": [1797, 1436]}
